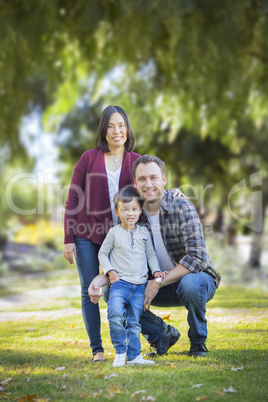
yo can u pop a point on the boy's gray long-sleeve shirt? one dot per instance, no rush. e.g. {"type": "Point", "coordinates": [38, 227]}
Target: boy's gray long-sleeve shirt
{"type": "Point", "coordinates": [128, 253]}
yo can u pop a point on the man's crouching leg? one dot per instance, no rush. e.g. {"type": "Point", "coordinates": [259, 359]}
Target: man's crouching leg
{"type": "Point", "coordinates": [194, 291]}
{"type": "Point", "coordinates": [159, 335]}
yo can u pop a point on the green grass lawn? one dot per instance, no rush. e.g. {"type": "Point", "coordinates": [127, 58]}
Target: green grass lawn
{"type": "Point", "coordinates": [31, 350]}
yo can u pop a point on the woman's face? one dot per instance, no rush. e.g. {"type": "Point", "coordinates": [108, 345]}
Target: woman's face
{"type": "Point", "coordinates": [116, 132]}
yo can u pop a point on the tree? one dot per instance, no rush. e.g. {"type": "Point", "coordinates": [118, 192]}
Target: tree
{"type": "Point", "coordinates": [210, 57]}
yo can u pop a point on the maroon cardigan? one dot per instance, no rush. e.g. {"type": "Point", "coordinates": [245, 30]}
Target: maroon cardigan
{"type": "Point", "coordinates": [87, 210]}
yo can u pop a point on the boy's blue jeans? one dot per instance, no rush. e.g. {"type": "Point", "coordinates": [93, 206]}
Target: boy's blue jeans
{"type": "Point", "coordinates": [125, 306]}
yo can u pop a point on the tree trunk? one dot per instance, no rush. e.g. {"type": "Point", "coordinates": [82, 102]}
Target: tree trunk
{"type": "Point", "coordinates": [257, 238]}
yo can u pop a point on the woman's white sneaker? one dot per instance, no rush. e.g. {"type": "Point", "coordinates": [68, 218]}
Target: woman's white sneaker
{"type": "Point", "coordinates": [119, 360]}
{"type": "Point", "coordinates": [139, 360]}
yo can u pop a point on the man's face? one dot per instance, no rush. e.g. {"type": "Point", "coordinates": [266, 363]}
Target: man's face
{"type": "Point", "coordinates": [150, 182]}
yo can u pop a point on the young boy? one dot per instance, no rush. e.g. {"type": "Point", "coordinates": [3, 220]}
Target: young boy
{"type": "Point", "coordinates": [124, 255]}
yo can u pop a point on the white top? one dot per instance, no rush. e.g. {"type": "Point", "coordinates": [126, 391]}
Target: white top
{"type": "Point", "coordinates": [164, 261]}
{"type": "Point", "coordinates": [113, 185]}
{"type": "Point", "coordinates": [128, 253]}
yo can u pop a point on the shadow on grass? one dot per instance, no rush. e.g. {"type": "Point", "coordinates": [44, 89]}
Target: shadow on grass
{"type": "Point", "coordinates": [222, 357]}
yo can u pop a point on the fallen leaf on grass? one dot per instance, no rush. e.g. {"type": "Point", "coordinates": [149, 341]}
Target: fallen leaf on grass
{"type": "Point", "coordinates": [167, 317]}
{"type": "Point", "coordinates": [197, 386]}
{"type": "Point", "coordinates": [219, 392]}
{"type": "Point", "coordinates": [6, 381]}
{"type": "Point", "coordinates": [3, 394]}
{"type": "Point", "coordinates": [172, 395]}
{"type": "Point", "coordinates": [115, 390]}
{"type": "Point", "coordinates": [28, 398]}
{"type": "Point", "coordinates": [237, 368]}
{"type": "Point", "coordinates": [170, 364]}
{"type": "Point", "coordinates": [25, 370]}
{"type": "Point", "coordinates": [230, 389]}
{"type": "Point", "coordinates": [70, 343]}
{"type": "Point", "coordinates": [148, 398]}
{"type": "Point", "coordinates": [201, 398]}
{"type": "Point", "coordinates": [60, 368]}
{"type": "Point", "coordinates": [63, 388]}
{"type": "Point", "coordinates": [110, 376]}
{"type": "Point", "coordinates": [91, 395]}
{"type": "Point", "coordinates": [142, 391]}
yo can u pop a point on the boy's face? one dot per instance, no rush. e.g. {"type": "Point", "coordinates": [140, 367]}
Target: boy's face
{"type": "Point", "coordinates": [129, 213]}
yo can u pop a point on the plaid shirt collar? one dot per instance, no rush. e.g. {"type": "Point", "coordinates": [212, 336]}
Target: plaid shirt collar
{"type": "Point", "coordinates": [175, 217]}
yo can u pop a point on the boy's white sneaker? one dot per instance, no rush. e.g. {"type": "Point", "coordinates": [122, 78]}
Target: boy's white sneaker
{"type": "Point", "coordinates": [120, 360]}
{"type": "Point", "coordinates": [139, 360]}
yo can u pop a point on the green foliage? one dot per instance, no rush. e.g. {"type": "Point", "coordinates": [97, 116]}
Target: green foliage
{"type": "Point", "coordinates": [210, 57]}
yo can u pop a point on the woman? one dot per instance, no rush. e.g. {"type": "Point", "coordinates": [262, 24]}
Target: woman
{"type": "Point", "coordinates": [89, 211]}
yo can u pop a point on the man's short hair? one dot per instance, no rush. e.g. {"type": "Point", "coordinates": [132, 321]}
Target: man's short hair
{"type": "Point", "coordinates": [148, 159]}
{"type": "Point", "coordinates": [127, 194]}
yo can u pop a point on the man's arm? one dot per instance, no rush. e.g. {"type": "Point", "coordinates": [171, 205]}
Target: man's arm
{"type": "Point", "coordinates": [195, 257]}
{"type": "Point", "coordinates": [94, 287]}
{"type": "Point", "coordinates": [153, 287]}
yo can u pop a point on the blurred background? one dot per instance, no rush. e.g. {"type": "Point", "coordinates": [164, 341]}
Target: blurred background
{"type": "Point", "coordinates": [193, 78]}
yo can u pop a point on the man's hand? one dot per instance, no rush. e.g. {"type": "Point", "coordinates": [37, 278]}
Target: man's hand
{"type": "Point", "coordinates": [161, 274]}
{"type": "Point", "coordinates": [151, 291]}
{"type": "Point", "coordinates": [176, 192]}
{"type": "Point", "coordinates": [113, 276]}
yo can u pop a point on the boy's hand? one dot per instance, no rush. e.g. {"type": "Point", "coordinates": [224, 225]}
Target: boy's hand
{"type": "Point", "coordinates": [161, 274]}
{"type": "Point", "coordinates": [113, 276]}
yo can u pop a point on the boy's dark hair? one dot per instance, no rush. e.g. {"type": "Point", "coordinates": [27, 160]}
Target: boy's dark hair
{"type": "Point", "coordinates": [103, 125]}
{"type": "Point", "coordinates": [148, 159]}
{"type": "Point", "coordinates": [127, 194]}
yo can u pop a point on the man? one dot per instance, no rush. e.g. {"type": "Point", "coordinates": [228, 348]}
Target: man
{"type": "Point", "coordinates": [180, 248]}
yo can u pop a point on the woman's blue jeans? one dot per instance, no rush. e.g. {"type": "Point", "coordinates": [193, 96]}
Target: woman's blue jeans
{"type": "Point", "coordinates": [125, 306]}
{"type": "Point", "coordinates": [193, 291]}
{"type": "Point", "coordinates": [88, 267]}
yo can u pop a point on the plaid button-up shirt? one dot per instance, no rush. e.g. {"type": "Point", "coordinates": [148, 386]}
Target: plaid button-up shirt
{"type": "Point", "coordinates": [182, 235]}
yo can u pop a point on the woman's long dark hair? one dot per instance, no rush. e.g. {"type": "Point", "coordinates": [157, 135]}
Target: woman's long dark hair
{"type": "Point", "coordinates": [103, 125]}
